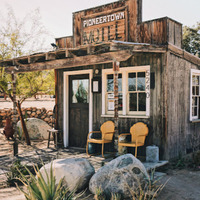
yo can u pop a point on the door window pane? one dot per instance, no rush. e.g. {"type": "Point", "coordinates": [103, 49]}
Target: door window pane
{"type": "Point", "coordinates": [80, 91]}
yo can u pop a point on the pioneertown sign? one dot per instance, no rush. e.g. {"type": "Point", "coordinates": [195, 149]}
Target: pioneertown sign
{"type": "Point", "coordinates": [104, 28]}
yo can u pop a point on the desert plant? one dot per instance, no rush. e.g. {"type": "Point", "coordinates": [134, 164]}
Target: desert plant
{"type": "Point", "coordinates": [39, 189]}
{"type": "Point", "coordinates": [14, 175]}
{"type": "Point", "coordinates": [99, 194]}
{"type": "Point", "coordinates": [149, 189]}
{"type": "Point", "coordinates": [116, 196]}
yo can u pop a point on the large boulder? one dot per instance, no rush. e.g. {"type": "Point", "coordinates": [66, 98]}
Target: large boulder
{"type": "Point", "coordinates": [37, 128]}
{"type": "Point", "coordinates": [121, 175]}
{"type": "Point", "coordinates": [76, 172]}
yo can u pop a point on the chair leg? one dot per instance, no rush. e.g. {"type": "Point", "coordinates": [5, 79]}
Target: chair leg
{"type": "Point", "coordinates": [87, 149]}
{"type": "Point", "coordinates": [102, 149]}
{"type": "Point", "coordinates": [136, 151]}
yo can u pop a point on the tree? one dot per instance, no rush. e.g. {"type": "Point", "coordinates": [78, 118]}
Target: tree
{"type": "Point", "coordinates": [191, 39]}
{"type": "Point", "coordinates": [17, 38]}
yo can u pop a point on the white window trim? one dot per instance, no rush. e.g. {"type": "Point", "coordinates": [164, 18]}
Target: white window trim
{"type": "Point", "coordinates": [124, 71]}
{"type": "Point", "coordinates": [193, 72]}
{"type": "Point", "coordinates": [66, 102]}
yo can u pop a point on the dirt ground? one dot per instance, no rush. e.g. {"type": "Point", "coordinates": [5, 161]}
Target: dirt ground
{"type": "Point", "coordinates": [182, 184]}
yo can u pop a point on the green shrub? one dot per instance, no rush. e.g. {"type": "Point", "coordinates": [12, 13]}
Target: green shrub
{"type": "Point", "coordinates": [39, 189]}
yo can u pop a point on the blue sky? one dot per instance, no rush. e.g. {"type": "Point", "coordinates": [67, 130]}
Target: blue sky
{"type": "Point", "coordinates": [57, 15]}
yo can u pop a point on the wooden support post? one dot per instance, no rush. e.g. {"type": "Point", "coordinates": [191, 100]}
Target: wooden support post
{"type": "Point", "coordinates": [15, 144]}
{"type": "Point", "coordinates": [116, 119]}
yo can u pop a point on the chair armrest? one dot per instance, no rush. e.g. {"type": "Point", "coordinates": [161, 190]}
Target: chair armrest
{"type": "Point", "coordinates": [141, 135]}
{"type": "Point", "coordinates": [109, 133]}
{"type": "Point", "coordinates": [92, 132]}
{"type": "Point", "coordinates": [124, 134]}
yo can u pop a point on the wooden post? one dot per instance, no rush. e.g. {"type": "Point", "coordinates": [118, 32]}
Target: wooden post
{"type": "Point", "coordinates": [15, 144]}
{"type": "Point", "coordinates": [116, 119]}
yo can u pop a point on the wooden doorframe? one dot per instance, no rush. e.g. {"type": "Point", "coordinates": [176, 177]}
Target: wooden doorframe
{"type": "Point", "coordinates": [66, 102]}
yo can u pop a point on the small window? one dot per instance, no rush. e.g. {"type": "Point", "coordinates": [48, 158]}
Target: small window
{"type": "Point", "coordinates": [195, 95]}
{"type": "Point", "coordinates": [133, 91]}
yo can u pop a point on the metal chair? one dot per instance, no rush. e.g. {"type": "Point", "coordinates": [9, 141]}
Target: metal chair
{"type": "Point", "coordinates": [107, 131]}
{"type": "Point", "coordinates": [138, 133]}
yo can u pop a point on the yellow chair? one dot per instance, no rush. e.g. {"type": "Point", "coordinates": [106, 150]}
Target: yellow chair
{"type": "Point", "coordinates": [107, 131]}
{"type": "Point", "coordinates": [138, 133]}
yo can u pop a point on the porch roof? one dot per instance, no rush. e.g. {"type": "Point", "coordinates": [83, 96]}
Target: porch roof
{"type": "Point", "coordinates": [89, 55]}
{"type": "Point", "coordinates": [80, 56]}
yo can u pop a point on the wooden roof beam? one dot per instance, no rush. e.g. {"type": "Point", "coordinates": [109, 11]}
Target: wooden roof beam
{"type": "Point", "coordinates": [74, 62]}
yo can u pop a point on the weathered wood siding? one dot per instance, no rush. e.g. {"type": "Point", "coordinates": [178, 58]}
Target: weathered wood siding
{"type": "Point", "coordinates": [160, 31]}
{"type": "Point", "coordinates": [156, 122]}
{"type": "Point", "coordinates": [65, 42]}
{"type": "Point", "coordinates": [182, 134]}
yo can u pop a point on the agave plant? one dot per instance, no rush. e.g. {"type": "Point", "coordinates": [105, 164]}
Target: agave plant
{"type": "Point", "coordinates": [37, 188]}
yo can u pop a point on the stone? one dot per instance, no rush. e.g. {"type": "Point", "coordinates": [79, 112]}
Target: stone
{"type": "Point", "coordinates": [38, 112]}
{"type": "Point", "coordinates": [152, 154]}
{"type": "Point", "coordinates": [76, 172]}
{"type": "Point", "coordinates": [121, 175]}
{"type": "Point", "coordinates": [37, 128]}
{"type": "Point", "coordinates": [46, 119]}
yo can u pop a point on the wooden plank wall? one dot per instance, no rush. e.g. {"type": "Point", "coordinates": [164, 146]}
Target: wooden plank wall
{"type": "Point", "coordinates": [182, 134]}
{"type": "Point", "coordinates": [156, 122]}
{"type": "Point", "coordinates": [160, 31]}
{"type": "Point", "coordinates": [65, 42]}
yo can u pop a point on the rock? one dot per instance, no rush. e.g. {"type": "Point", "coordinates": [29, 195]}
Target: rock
{"type": "Point", "coordinates": [76, 172]}
{"type": "Point", "coordinates": [46, 119]}
{"type": "Point", "coordinates": [28, 112]}
{"type": "Point", "coordinates": [38, 112]}
{"type": "Point", "coordinates": [121, 175]}
{"type": "Point", "coordinates": [152, 154]}
{"type": "Point", "coordinates": [37, 128]}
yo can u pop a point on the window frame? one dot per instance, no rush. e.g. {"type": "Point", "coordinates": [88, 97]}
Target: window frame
{"type": "Point", "coordinates": [194, 72]}
{"type": "Point", "coordinates": [125, 110]}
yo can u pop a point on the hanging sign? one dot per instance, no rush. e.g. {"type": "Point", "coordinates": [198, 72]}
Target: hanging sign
{"type": "Point", "coordinates": [101, 28]}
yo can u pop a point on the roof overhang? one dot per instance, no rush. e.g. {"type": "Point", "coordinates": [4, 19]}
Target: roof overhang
{"type": "Point", "coordinates": [81, 56]}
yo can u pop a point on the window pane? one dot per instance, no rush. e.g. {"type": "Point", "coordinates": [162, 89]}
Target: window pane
{"type": "Point", "coordinates": [141, 81]}
{"type": "Point", "coordinates": [120, 101]}
{"type": "Point", "coordinates": [119, 82]}
{"type": "Point", "coordinates": [193, 101]}
{"type": "Point", "coordinates": [193, 90]}
{"type": "Point", "coordinates": [110, 83]}
{"type": "Point", "coordinates": [193, 80]}
{"type": "Point", "coordinates": [195, 111]}
{"type": "Point", "coordinates": [197, 80]}
{"type": "Point", "coordinates": [142, 101]}
{"type": "Point", "coordinates": [197, 90]}
{"type": "Point", "coordinates": [132, 81]}
{"type": "Point", "coordinates": [80, 91]}
{"type": "Point", "coordinates": [133, 101]}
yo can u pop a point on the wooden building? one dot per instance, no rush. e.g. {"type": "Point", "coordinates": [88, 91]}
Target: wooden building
{"type": "Point", "coordinates": [159, 83]}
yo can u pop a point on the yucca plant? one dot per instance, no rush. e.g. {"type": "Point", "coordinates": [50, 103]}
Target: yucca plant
{"type": "Point", "coordinates": [39, 189]}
